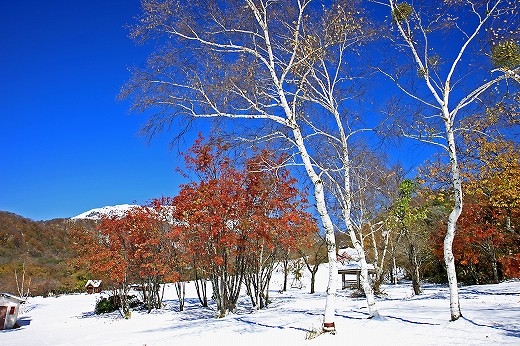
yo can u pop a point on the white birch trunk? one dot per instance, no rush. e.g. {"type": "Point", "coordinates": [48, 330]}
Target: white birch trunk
{"type": "Point", "coordinates": [374, 245]}
{"type": "Point", "coordinates": [380, 262]}
{"type": "Point", "coordinates": [365, 280]}
{"type": "Point", "coordinates": [358, 245]}
{"type": "Point", "coordinates": [449, 259]}
{"type": "Point", "coordinates": [346, 202]}
{"type": "Point", "coordinates": [394, 269]}
{"type": "Point", "coordinates": [330, 238]}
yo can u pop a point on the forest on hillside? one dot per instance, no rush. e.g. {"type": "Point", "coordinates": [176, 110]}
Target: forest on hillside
{"type": "Point", "coordinates": [43, 249]}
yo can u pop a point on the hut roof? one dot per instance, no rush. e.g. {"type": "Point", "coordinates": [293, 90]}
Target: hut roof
{"type": "Point", "coordinates": [348, 259]}
{"type": "Point", "coordinates": [94, 283]}
{"type": "Point", "coordinates": [11, 297]}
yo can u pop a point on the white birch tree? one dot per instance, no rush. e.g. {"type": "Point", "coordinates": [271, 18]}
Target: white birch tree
{"type": "Point", "coordinates": [457, 51]}
{"type": "Point", "coordinates": [264, 64]}
{"type": "Point", "coordinates": [374, 190]}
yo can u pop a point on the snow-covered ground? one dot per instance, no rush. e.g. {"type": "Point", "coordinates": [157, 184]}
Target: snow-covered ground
{"type": "Point", "coordinates": [491, 317]}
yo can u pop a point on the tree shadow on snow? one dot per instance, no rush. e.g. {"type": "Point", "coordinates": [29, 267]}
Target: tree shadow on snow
{"type": "Point", "coordinates": [432, 296]}
{"type": "Point", "coordinates": [281, 327]}
{"type": "Point", "coordinates": [412, 322]}
{"type": "Point", "coordinates": [91, 314]}
{"type": "Point", "coordinates": [366, 316]}
{"type": "Point", "coordinates": [509, 332]}
{"type": "Point", "coordinates": [489, 292]}
{"type": "Point", "coordinates": [304, 312]}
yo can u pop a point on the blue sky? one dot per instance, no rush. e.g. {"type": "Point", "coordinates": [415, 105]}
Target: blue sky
{"type": "Point", "coordinates": [67, 145]}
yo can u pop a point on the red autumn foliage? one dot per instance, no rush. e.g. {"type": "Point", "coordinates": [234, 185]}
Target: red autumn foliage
{"type": "Point", "coordinates": [105, 250]}
{"type": "Point", "coordinates": [235, 221]}
{"type": "Point", "coordinates": [230, 225]}
{"type": "Point", "coordinates": [485, 246]}
{"type": "Point", "coordinates": [275, 206]}
{"type": "Point", "coordinates": [129, 247]}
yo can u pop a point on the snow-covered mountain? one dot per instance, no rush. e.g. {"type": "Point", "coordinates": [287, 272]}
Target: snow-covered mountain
{"type": "Point", "coordinates": [97, 213]}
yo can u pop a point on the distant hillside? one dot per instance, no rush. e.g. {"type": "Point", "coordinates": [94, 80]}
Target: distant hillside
{"type": "Point", "coordinates": [45, 248]}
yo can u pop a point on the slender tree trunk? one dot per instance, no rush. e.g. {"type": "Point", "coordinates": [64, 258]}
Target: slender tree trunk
{"type": "Point", "coordinates": [494, 265]}
{"type": "Point", "coordinates": [122, 294]}
{"type": "Point", "coordinates": [474, 274]}
{"type": "Point", "coordinates": [216, 283]}
{"type": "Point", "coordinates": [449, 259]}
{"type": "Point", "coordinates": [285, 272]}
{"type": "Point", "coordinates": [330, 237]}
{"type": "Point", "coordinates": [180, 288]}
{"type": "Point", "coordinates": [249, 290]}
{"type": "Point", "coordinates": [364, 278]}
{"type": "Point", "coordinates": [395, 272]}
{"type": "Point", "coordinates": [377, 283]}
{"type": "Point", "coordinates": [145, 295]}
{"type": "Point", "coordinates": [508, 221]}
{"type": "Point", "coordinates": [412, 256]}
{"type": "Point", "coordinates": [157, 295]}
{"type": "Point", "coordinates": [346, 205]}
{"type": "Point", "coordinates": [162, 292]}
{"type": "Point", "coordinates": [319, 194]}
{"type": "Point", "coordinates": [23, 290]}
{"type": "Point", "coordinates": [267, 281]}
{"type": "Point", "coordinates": [201, 288]}
{"type": "Point", "coordinates": [417, 275]}
{"type": "Point", "coordinates": [313, 270]}
{"type": "Point", "coordinates": [394, 267]}
{"type": "Point", "coordinates": [367, 288]}
{"type": "Point", "coordinates": [313, 278]}
{"type": "Point", "coordinates": [258, 274]}
{"type": "Point", "coordinates": [380, 263]}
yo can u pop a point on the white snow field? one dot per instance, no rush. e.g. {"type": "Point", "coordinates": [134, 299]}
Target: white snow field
{"type": "Point", "coordinates": [491, 317]}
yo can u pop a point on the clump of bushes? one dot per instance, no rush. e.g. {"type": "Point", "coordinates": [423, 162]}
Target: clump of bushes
{"type": "Point", "coordinates": [134, 302]}
{"type": "Point", "coordinates": [112, 303]}
{"type": "Point", "coordinates": [105, 305]}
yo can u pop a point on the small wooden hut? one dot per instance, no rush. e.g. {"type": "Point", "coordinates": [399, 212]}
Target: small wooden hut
{"type": "Point", "coordinates": [94, 286]}
{"type": "Point", "coordinates": [349, 268]}
{"type": "Point", "coordinates": [9, 308]}
{"type": "Point", "coordinates": [351, 276]}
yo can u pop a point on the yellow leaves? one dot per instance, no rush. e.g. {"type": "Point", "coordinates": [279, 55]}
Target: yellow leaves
{"type": "Point", "coordinates": [491, 168]}
{"type": "Point", "coordinates": [505, 54]}
{"type": "Point", "coordinates": [402, 12]}
{"type": "Point", "coordinates": [341, 24]}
